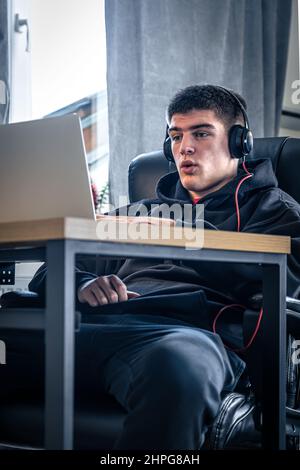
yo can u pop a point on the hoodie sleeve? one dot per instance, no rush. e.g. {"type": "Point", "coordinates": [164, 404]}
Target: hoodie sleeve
{"type": "Point", "coordinates": [38, 282]}
{"type": "Point", "coordinates": [87, 268]}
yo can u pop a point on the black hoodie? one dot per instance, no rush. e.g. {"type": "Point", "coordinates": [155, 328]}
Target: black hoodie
{"type": "Point", "coordinates": [264, 208]}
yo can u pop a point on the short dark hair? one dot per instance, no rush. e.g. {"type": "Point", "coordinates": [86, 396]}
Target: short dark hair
{"type": "Point", "coordinates": [197, 97]}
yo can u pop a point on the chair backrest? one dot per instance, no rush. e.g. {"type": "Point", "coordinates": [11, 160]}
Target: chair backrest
{"type": "Point", "coordinates": [146, 169]}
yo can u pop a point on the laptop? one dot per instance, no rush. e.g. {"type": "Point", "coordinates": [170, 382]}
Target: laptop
{"type": "Point", "coordinates": [44, 172]}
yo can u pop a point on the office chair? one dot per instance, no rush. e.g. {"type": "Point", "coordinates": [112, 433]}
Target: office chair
{"type": "Point", "coordinates": [99, 420]}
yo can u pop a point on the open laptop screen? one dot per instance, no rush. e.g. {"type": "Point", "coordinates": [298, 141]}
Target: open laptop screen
{"type": "Point", "coordinates": [44, 172]}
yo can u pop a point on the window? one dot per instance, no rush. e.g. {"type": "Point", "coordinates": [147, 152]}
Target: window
{"type": "Point", "coordinates": [63, 72]}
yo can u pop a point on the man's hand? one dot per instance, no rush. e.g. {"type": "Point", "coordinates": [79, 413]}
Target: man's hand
{"type": "Point", "coordinates": [105, 290]}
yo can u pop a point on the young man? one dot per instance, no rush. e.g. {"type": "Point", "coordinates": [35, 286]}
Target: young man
{"type": "Point", "coordinates": [154, 349]}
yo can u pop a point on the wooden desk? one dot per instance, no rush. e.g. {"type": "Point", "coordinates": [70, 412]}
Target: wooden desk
{"type": "Point", "coordinates": [57, 241]}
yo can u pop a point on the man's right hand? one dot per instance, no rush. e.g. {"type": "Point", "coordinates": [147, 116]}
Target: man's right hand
{"type": "Point", "coordinates": [105, 290]}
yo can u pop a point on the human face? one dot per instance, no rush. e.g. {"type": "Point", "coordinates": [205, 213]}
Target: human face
{"type": "Point", "coordinates": [200, 148]}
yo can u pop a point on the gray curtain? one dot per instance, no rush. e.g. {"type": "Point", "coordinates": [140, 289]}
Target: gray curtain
{"type": "Point", "coordinates": [155, 47]}
{"type": "Point", "coordinates": [4, 62]}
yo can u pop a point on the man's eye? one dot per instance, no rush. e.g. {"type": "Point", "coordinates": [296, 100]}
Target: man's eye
{"type": "Point", "coordinates": [201, 134]}
{"type": "Point", "coordinates": [175, 138]}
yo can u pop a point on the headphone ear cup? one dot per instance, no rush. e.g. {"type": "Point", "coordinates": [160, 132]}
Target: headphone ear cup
{"type": "Point", "coordinates": [168, 150]}
{"type": "Point", "coordinates": [240, 141]}
{"type": "Point", "coordinates": [248, 142]}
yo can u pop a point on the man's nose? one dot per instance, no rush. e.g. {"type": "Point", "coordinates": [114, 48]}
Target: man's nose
{"type": "Point", "coordinates": [187, 147]}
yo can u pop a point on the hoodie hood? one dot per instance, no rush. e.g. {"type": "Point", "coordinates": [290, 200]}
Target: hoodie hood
{"type": "Point", "coordinates": [170, 190]}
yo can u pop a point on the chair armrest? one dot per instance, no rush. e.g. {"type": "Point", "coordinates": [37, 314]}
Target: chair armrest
{"type": "Point", "coordinates": [255, 302]}
{"type": "Point", "coordinates": [26, 299]}
{"type": "Point", "coordinates": [293, 304]}
{"type": "Point", "coordinates": [21, 299]}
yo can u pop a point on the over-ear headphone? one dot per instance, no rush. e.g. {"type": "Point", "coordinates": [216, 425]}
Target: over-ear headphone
{"type": "Point", "coordinates": [240, 138]}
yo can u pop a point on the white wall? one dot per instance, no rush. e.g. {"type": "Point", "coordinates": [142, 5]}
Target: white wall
{"type": "Point", "coordinates": [68, 57]}
{"type": "Point", "coordinates": [289, 132]}
{"type": "Point", "coordinates": [291, 125]}
{"type": "Point", "coordinates": [292, 72]}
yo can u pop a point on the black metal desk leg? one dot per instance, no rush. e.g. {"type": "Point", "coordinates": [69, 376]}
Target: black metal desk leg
{"type": "Point", "coordinates": [274, 355]}
{"type": "Point", "coordinates": [59, 336]}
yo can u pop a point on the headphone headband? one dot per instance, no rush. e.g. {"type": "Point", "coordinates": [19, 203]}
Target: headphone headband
{"type": "Point", "coordinates": [233, 95]}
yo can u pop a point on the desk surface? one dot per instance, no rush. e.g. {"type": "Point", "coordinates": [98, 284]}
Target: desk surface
{"type": "Point", "coordinates": [84, 229]}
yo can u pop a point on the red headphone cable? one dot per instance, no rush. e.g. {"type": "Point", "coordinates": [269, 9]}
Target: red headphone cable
{"type": "Point", "coordinates": [248, 175]}
{"type": "Point", "coordinates": [253, 334]}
